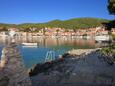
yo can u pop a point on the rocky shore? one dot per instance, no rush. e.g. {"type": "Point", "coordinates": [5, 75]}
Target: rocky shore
{"type": "Point", "coordinates": [74, 69]}
{"type": "Point", "coordinates": [81, 67]}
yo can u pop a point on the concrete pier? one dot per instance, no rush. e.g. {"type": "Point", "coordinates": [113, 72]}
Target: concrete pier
{"type": "Point", "coordinates": [12, 69]}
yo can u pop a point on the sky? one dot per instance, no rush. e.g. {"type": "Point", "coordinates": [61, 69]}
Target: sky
{"type": "Point", "coordinates": [38, 11]}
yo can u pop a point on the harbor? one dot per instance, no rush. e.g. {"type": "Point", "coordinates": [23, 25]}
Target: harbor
{"type": "Point", "coordinates": [34, 50]}
{"type": "Point", "coordinates": [57, 43]}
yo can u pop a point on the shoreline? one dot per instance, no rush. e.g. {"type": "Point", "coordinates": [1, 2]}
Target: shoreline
{"type": "Point", "coordinates": [80, 70]}
{"type": "Point", "coordinates": [74, 53]}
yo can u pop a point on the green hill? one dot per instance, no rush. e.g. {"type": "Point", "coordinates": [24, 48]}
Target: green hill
{"type": "Point", "coordinates": [78, 23]}
{"type": "Point", "coordinates": [75, 23]}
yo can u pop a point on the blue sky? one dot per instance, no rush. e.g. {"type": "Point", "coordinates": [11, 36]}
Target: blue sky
{"type": "Point", "coordinates": [35, 11]}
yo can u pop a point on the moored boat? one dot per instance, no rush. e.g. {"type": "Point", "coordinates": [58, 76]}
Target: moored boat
{"type": "Point", "coordinates": [29, 44]}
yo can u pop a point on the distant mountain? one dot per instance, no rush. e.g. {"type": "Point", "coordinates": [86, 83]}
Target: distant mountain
{"type": "Point", "coordinates": [75, 23]}
{"type": "Point", "coordinates": [4, 27]}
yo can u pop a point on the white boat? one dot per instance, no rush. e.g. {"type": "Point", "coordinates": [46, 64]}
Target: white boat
{"type": "Point", "coordinates": [102, 38]}
{"type": "Point", "coordinates": [29, 44]}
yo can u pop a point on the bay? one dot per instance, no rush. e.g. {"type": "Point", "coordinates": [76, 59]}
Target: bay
{"type": "Point", "coordinates": [37, 53]}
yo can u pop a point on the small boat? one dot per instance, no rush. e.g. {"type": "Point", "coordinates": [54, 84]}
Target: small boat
{"type": "Point", "coordinates": [29, 44]}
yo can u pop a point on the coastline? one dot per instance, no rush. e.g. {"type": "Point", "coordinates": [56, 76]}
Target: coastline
{"type": "Point", "coordinates": [86, 69]}
{"type": "Point", "coordinates": [72, 54]}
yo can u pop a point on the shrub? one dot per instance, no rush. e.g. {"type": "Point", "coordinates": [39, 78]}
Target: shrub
{"type": "Point", "coordinates": [113, 36]}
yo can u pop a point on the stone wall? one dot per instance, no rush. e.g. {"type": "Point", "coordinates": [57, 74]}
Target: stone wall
{"type": "Point", "coordinates": [12, 69]}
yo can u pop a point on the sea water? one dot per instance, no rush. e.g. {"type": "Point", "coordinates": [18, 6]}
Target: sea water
{"type": "Point", "coordinates": [37, 54]}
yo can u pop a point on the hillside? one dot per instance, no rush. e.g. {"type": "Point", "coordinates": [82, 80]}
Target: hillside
{"type": "Point", "coordinates": [75, 23]}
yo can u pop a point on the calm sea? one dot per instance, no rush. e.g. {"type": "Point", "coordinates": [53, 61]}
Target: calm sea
{"type": "Point", "coordinates": [37, 54]}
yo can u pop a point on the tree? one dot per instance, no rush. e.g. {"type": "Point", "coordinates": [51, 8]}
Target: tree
{"type": "Point", "coordinates": [57, 32]}
{"type": "Point", "coordinates": [111, 6]}
{"type": "Point", "coordinates": [3, 29]}
{"type": "Point", "coordinates": [111, 9]}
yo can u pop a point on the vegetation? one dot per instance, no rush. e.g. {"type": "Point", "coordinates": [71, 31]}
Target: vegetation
{"type": "Point", "coordinates": [113, 36]}
{"type": "Point", "coordinates": [109, 50]}
{"type": "Point", "coordinates": [108, 53]}
{"type": "Point", "coordinates": [76, 23]}
{"type": "Point", "coordinates": [111, 9]}
{"type": "Point", "coordinates": [4, 27]}
{"type": "Point", "coordinates": [111, 6]}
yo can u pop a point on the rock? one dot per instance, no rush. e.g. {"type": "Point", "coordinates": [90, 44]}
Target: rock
{"type": "Point", "coordinates": [45, 67]}
{"type": "Point", "coordinates": [86, 71]}
{"type": "Point", "coordinates": [4, 81]}
{"type": "Point", "coordinates": [66, 55]}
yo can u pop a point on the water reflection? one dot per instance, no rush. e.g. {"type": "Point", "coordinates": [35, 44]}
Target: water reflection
{"type": "Point", "coordinates": [52, 42]}
{"type": "Point", "coordinates": [37, 54]}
